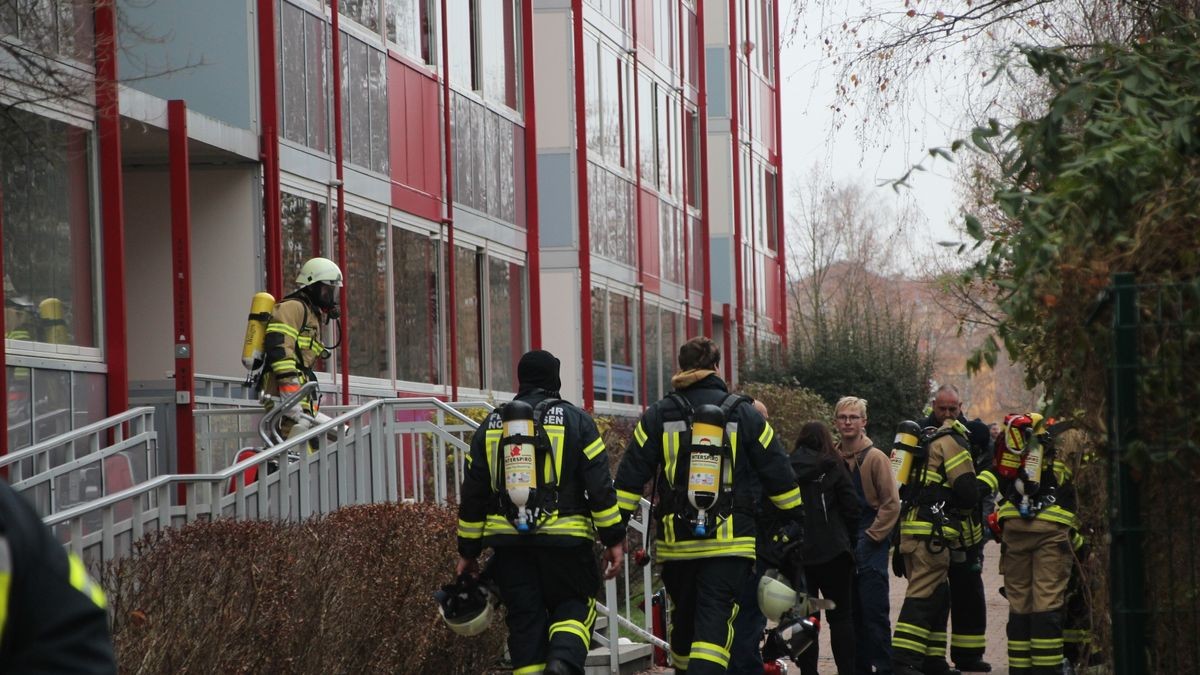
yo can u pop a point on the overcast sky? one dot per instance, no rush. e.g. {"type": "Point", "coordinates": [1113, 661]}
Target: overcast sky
{"type": "Point", "coordinates": [811, 132]}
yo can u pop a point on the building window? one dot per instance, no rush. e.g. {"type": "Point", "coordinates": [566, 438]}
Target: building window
{"type": "Point", "coordinates": [654, 357]}
{"type": "Point", "coordinates": [611, 213]}
{"type": "Point", "coordinates": [415, 264]}
{"type": "Point", "coordinates": [691, 138]}
{"type": "Point", "coordinates": [648, 129]}
{"type": "Point", "coordinates": [486, 175]}
{"type": "Point", "coordinates": [367, 295]}
{"type": "Point", "coordinates": [507, 319]}
{"type": "Point", "coordinates": [62, 28]}
{"type": "Point", "coordinates": [670, 243]}
{"type": "Point", "coordinates": [466, 312]}
{"type": "Point", "coordinates": [771, 217]}
{"type": "Point", "coordinates": [45, 181]}
{"type": "Point", "coordinates": [365, 12]}
{"type": "Point", "coordinates": [671, 336]}
{"type": "Point", "coordinates": [411, 25]}
{"type": "Point", "coordinates": [304, 77]}
{"type": "Point", "coordinates": [303, 223]}
{"type": "Point", "coordinates": [614, 347]}
{"type": "Point", "coordinates": [364, 99]}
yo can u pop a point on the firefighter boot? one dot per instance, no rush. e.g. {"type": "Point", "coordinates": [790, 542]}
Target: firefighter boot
{"type": "Point", "coordinates": [1019, 662]}
{"type": "Point", "coordinates": [1046, 642]}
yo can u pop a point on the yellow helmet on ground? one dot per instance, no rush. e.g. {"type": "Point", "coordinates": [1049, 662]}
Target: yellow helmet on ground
{"type": "Point", "coordinates": [775, 596]}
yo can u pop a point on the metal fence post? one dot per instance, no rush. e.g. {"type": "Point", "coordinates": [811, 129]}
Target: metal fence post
{"type": "Point", "coordinates": [1128, 585]}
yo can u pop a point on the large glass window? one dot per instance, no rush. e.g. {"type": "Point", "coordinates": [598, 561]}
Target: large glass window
{"type": "Point", "coordinates": [415, 265]}
{"type": "Point", "coordinates": [365, 12]}
{"type": "Point", "coordinates": [508, 318]}
{"type": "Point", "coordinates": [671, 339]}
{"type": "Point", "coordinates": [367, 295]}
{"type": "Point", "coordinates": [364, 97]}
{"type": "Point", "coordinates": [304, 77]}
{"type": "Point", "coordinates": [654, 359]}
{"type": "Point", "coordinates": [62, 27]}
{"type": "Point", "coordinates": [691, 138]}
{"type": "Point", "coordinates": [611, 206]}
{"type": "Point", "coordinates": [412, 25]}
{"type": "Point", "coordinates": [303, 222]}
{"type": "Point", "coordinates": [622, 328]}
{"type": "Point", "coordinates": [599, 344]}
{"type": "Point", "coordinates": [45, 190]}
{"type": "Point", "coordinates": [648, 129]}
{"type": "Point", "coordinates": [670, 243]}
{"type": "Point", "coordinates": [466, 312]}
{"type": "Point", "coordinates": [771, 218]}
{"type": "Point", "coordinates": [486, 174]}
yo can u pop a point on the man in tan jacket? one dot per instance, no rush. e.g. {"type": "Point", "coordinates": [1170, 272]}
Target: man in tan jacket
{"type": "Point", "coordinates": [879, 500]}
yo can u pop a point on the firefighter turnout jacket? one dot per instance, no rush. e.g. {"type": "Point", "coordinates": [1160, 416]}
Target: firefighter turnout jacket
{"type": "Point", "coordinates": [292, 344]}
{"type": "Point", "coordinates": [938, 493]}
{"type": "Point", "coordinates": [52, 615]}
{"type": "Point", "coordinates": [655, 452]}
{"type": "Point", "coordinates": [581, 505]}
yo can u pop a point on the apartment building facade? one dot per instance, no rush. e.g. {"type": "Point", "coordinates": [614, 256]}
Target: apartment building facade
{"type": "Point", "coordinates": [492, 175]}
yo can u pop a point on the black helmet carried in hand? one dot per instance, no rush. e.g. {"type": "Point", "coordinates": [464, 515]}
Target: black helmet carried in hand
{"type": "Point", "coordinates": [467, 605]}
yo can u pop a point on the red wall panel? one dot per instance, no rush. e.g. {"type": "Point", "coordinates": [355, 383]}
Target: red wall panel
{"type": "Point", "coordinates": [414, 140]}
{"type": "Point", "coordinates": [648, 222]}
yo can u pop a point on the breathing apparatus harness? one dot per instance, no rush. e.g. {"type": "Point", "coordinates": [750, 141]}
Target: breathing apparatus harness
{"type": "Point", "coordinates": [1025, 457]}
{"type": "Point", "coordinates": [253, 356]}
{"type": "Point", "coordinates": [704, 498]}
{"type": "Point", "coordinates": [931, 501]}
{"type": "Point", "coordinates": [523, 495]}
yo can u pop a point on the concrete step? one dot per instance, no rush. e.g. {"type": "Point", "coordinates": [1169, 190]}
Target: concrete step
{"type": "Point", "coordinates": [634, 657]}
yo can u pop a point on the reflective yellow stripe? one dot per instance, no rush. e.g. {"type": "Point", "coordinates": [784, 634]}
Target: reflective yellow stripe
{"type": "Point", "coordinates": [530, 670]}
{"type": "Point", "coordinates": [574, 628]}
{"type": "Point", "coordinates": [1019, 661]}
{"type": "Point", "coordinates": [284, 329]}
{"type": "Point", "coordinates": [679, 661]}
{"type": "Point", "coordinates": [556, 434]}
{"type": "Point", "coordinates": [283, 366]}
{"type": "Point", "coordinates": [764, 439]}
{"type": "Point", "coordinates": [572, 526]}
{"type": "Point", "coordinates": [968, 640]}
{"type": "Point", "coordinates": [670, 454]}
{"type": "Point", "coordinates": [81, 582]}
{"type": "Point", "coordinates": [959, 457]}
{"type": "Point", "coordinates": [1046, 643]}
{"type": "Point", "coordinates": [593, 450]}
{"type": "Point", "coordinates": [607, 517]}
{"type": "Point", "coordinates": [707, 651]}
{"type": "Point", "coordinates": [639, 435]}
{"type": "Point", "coordinates": [740, 547]}
{"type": "Point", "coordinates": [1018, 645]}
{"type": "Point", "coordinates": [5, 583]}
{"type": "Point", "coordinates": [628, 501]}
{"type": "Point", "coordinates": [910, 645]}
{"type": "Point", "coordinates": [491, 442]}
{"type": "Point", "coordinates": [729, 627]}
{"type": "Point", "coordinates": [1046, 659]}
{"type": "Point", "coordinates": [470, 530]}
{"type": "Point", "coordinates": [787, 500]}
{"type": "Point", "coordinates": [991, 480]}
{"type": "Point", "coordinates": [915, 631]}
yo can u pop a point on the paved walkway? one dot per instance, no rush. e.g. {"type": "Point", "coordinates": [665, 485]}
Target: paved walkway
{"type": "Point", "coordinates": [996, 653]}
{"type": "Point", "coordinates": [997, 649]}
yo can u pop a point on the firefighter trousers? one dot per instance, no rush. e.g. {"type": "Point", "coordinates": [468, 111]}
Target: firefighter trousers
{"type": "Point", "coordinates": [920, 635]}
{"type": "Point", "coordinates": [550, 596]}
{"type": "Point", "coordinates": [968, 607]}
{"type": "Point", "coordinates": [1037, 559]}
{"type": "Point", "coordinates": [704, 605]}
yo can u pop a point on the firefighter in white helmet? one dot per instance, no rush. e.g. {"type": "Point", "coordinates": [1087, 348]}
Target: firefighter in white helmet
{"type": "Point", "coordinates": [293, 340]}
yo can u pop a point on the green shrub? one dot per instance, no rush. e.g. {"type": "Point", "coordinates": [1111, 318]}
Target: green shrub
{"type": "Point", "coordinates": [790, 407]}
{"type": "Point", "coordinates": [351, 592]}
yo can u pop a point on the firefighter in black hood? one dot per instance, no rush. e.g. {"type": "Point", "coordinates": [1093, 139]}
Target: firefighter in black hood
{"type": "Point", "coordinates": [541, 518]}
{"type": "Point", "coordinates": [704, 521]}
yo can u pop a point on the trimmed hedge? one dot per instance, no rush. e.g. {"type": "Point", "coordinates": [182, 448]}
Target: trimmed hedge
{"type": "Point", "coordinates": [350, 592]}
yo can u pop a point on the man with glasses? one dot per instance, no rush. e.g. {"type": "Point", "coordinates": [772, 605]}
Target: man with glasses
{"type": "Point", "coordinates": [879, 501]}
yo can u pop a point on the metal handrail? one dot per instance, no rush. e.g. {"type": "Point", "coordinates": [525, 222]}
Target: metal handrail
{"type": "Point", "coordinates": [367, 462]}
{"type": "Point", "coordinates": [266, 426]}
{"type": "Point", "coordinates": [77, 434]}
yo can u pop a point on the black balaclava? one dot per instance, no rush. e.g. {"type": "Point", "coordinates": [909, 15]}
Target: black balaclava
{"type": "Point", "coordinates": [538, 369]}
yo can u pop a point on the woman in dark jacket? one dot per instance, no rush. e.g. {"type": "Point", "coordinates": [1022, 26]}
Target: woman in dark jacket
{"type": "Point", "coordinates": [831, 516]}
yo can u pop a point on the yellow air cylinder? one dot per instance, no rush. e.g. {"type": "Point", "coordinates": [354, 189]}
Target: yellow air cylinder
{"type": "Point", "coordinates": [54, 326]}
{"type": "Point", "coordinates": [256, 329]}
{"type": "Point", "coordinates": [904, 447]}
